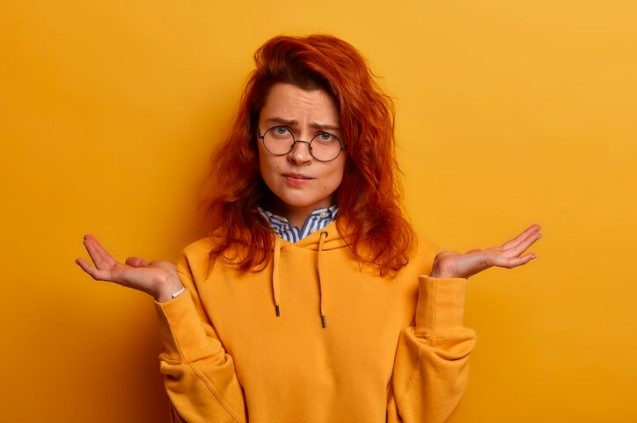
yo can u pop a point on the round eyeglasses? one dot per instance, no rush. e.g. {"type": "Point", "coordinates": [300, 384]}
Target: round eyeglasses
{"type": "Point", "coordinates": [324, 147]}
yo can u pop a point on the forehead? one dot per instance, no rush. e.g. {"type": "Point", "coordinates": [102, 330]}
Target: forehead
{"type": "Point", "coordinates": [290, 102]}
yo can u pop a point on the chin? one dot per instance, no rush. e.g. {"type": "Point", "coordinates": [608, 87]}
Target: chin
{"type": "Point", "coordinates": [300, 204]}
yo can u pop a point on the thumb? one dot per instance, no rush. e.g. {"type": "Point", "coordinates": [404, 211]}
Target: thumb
{"type": "Point", "coordinates": [163, 264]}
{"type": "Point", "coordinates": [136, 262]}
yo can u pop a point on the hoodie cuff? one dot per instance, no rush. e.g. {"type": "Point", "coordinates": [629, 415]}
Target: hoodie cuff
{"type": "Point", "coordinates": [181, 329]}
{"type": "Point", "coordinates": [440, 304]}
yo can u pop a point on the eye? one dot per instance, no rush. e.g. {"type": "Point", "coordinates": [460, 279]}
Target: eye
{"type": "Point", "coordinates": [326, 137]}
{"type": "Point", "coordinates": [280, 130]}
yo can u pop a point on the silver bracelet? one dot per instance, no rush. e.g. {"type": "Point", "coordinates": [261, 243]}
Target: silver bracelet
{"type": "Point", "coordinates": [178, 293]}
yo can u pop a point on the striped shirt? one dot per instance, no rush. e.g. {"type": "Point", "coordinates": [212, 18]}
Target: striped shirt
{"type": "Point", "coordinates": [318, 219]}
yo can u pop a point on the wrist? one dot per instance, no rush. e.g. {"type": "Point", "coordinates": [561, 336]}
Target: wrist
{"type": "Point", "coordinates": [169, 291]}
{"type": "Point", "coordinates": [441, 271]}
{"type": "Point", "coordinates": [441, 275]}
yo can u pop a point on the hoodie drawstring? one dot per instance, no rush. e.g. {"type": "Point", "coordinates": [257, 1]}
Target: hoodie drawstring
{"type": "Point", "coordinates": [318, 271]}
{"type": "Point", "coordinates": [276, 286]}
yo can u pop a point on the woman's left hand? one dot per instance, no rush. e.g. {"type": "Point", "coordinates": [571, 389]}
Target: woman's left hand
{"type": "Point", "coordinates": [450, 264]}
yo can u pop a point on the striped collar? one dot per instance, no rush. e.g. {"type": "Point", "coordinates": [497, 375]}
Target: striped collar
{"type": "Point", "coordinates": [318, 219]}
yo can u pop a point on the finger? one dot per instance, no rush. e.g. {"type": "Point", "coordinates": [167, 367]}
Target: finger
{"type": "Point", "coordinates": [84, 265]}
{"type": "Point", "coordinates": [524, 235]}
{"type": "Point", "coordinates": [136, 262]}
{"type": "Point", "coordinates": [528, 232]}
{"type": "Point", "coordinates": [97, 274]}
{"type": "Point", "coordinates": [96, 251]}
{"type": "Point", "coordinates": [101, 258]}
{"type": "Point", "coordinates": [524, 245]}
{"type": "Point", "coordinates": [511, 262]}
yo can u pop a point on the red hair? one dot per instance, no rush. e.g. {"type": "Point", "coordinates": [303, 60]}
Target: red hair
{"type": "Point", "coordinates": [369, 198]}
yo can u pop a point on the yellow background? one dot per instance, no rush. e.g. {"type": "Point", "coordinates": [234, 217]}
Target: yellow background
{"type": "Point", "coordinates": [508, 113]}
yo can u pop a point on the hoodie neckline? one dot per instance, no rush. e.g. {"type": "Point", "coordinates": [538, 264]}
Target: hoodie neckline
{"type": "Point", "coordinates": [332, 240]}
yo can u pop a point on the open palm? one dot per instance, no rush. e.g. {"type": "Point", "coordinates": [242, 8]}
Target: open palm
{"type": "Point", "coordinates": [451, 264]}
{"type": "Point", "coordinates": [156, 278]}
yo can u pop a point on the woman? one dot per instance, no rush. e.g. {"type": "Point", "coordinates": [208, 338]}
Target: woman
{"type": "Point", "coordinates": [312, 300]}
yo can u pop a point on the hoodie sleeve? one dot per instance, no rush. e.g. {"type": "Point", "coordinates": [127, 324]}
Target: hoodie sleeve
{"type": "Point", "coordinates": [431, 368]}
{"type": "Point", "coordinates": [199, 375]}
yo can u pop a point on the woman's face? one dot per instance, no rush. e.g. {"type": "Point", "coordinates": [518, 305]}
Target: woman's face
{"type": "Point", "coordinates": [299, 181]}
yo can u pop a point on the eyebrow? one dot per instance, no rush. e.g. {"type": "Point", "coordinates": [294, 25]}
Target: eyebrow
{"type": "Point", "coordinates": [293, 122]}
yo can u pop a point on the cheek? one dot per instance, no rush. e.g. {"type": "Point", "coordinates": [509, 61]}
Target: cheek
{"type": "Point", "coordinates": [340, 171]}
{"type": "Point", "coordinates": [269, 168]}
{"type": "Point", "coordinates": [335, 179]}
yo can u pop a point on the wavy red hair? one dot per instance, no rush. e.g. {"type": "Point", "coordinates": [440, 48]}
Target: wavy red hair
{"type": "Point", "coordinates": [369, 198]}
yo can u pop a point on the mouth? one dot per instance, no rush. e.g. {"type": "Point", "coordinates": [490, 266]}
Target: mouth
{"type": "Point", "coordinates": [296, 178]}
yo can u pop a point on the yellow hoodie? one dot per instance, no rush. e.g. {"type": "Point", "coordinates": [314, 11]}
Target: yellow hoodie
{"type": "Point", "coordinates": [347, 346]}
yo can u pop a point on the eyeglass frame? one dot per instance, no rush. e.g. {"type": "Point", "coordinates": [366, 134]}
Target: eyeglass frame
{"type": "Point", "coordinates": [295, 141]}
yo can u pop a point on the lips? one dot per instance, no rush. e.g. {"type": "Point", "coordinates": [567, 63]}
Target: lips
{"type": "Point", "coordinates": [296, 176]}
{"type": "Point", "coordinates": [296, 179]}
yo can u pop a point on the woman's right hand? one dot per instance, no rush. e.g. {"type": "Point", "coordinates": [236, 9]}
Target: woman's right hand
{"type": "Point", "coordinates": [156, 278]}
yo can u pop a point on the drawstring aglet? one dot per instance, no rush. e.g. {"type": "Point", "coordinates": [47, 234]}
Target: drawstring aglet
{"type": "Point", "coordinates": [277, 310]}
{"type": "Point", "coordinates": [323, 321]}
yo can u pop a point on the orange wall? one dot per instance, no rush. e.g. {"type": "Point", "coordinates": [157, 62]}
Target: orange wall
{"type": "Point", "coordinates": [508, 113]}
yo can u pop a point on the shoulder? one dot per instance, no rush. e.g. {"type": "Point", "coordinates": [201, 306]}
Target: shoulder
{"type": "Point", "coordinates": [196, 258]}
{"type": "Point", "coordinates": [425, 244]}
{"type": "Point", "coordinates": [200, 247]}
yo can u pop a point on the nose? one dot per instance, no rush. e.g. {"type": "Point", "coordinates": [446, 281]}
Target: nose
{"type": "Point", "coordinates": [300, 153]}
